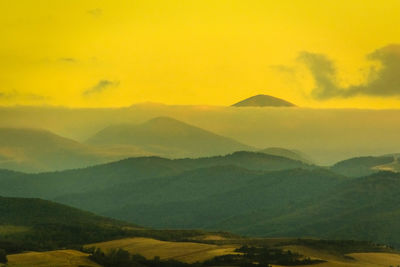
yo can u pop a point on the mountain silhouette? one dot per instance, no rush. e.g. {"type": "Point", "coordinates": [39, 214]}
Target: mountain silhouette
{"type": "Point", "coordinates": [41, 150]}
{"type": "Point", "coordinates": [167, 137]}
{"type": "Point", "coordinates": [263, 101]}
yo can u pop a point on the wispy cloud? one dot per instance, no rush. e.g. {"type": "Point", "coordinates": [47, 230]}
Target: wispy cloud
{"type": "Point", "coordinates": [383, 82]}
{"type": "Point", "coordinates": [283, 68]}
{"type": "Point", "coordinates": [14, 94]}
{"type": "Point", "coordinates": [68, 60]}
{"type": "Point", "coordinates": [95, 12]}
{"type": "Point", "coordinates": [100, 87]}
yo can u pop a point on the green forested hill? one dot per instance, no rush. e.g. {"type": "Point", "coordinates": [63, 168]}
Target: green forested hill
{"type": "Point", "coordinates": [223, 195]}
{"type": "Point", "coordinates": [361, 166]}
{"type": "Point", "coordinates": [295, 203]}
{"type": "Point", "coordinates": [32, 224]}
{"type": "Point", "coordinates": [53, 184]}
{"type": "Point", "coordinates": [363, 208]}
{"type": "Point", "coordinates": [287, 153]}
{"type": "Point", "coordinates": [244, 192]}
{"type": "Point", "coordinates": [35, 224]}
{"type": "Point", "coordinates": [33, 211]}
{"type": "Point", "coordinates": [249, 160]}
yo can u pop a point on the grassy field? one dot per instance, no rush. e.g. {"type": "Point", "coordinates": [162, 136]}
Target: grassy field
{"type": "Point", "coordinates": [56, 258]}
{"type": "Point", "coordinates": [181, 251]}
{"type": "Point", "coordinates": [368, 259]}
{"type": "Point", "coordinates": [191, 252]}
{"type": "Point", "coordinates": [394, 166]}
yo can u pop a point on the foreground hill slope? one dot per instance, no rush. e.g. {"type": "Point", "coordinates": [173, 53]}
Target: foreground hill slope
{"type": "Point", "coordinates": [32, 211]}
{"type": "Point", "coordinates": [263, 101]}
{"type": "Point", "coordinates": [215, 249]}
{"type": "Point", "coordinates": [36, 232]}
{"type": "Point", "coordinates": [167, 137]}
{"type": "Point", "coordinates": [35, 224]}
{"type": "Point", "coordinates": [54, 258]}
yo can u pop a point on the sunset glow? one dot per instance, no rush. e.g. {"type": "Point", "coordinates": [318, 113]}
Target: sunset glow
{"type": "Point", "coordinates": [116, 53]}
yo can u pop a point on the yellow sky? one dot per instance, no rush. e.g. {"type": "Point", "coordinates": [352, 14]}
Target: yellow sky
{"type": "Point", "coordinates": [95, 53]}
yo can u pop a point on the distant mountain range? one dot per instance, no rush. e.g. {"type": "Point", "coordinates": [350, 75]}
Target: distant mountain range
{"type": "Point", "coordinates": [263, 101]}
{"type": "Point", "coordinates": [35, 150]}
{"type": "Point", "coordinates": [317, 132]}
{"type": "Point", "coordinates": [40, 150]}
{"type": "Point", "coordinates": [168, 137]}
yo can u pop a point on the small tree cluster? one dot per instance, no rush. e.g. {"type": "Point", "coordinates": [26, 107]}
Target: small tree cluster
{"type": "Point", "coordinates": [3, 256]}
{"type": "Point", "coordinates": [122, 258]}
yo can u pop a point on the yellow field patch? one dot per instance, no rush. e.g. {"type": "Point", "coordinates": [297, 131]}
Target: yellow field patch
{"type": "Point", "coordinates": [56, 258]}
{"type": "Point", "coordinates": [181, 251]}
{"type": "Point", "coordinates": [209, 237]}
{"type": "Point", "coordinates": [366, 259]}
{"type": "Point", "coordinates": [377, 259]}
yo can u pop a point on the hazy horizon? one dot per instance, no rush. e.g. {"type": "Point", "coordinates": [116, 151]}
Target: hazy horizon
{"type": "Point", "coordinates": [327, 136]}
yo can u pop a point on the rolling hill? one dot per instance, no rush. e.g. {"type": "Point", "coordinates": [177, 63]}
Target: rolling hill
{"type": "Point", "coordinates": [325, 252]}
{"type": "Point", "coordinates": [225, 251]}
{"type": "Point", "coordinates": [167, 137]}
{"type": "Point", "coordinates": [52, 184]}
{"type": "Point", "coordinates": [36, 224]}
{"type": "Point", "coordinates": [35, 150]}
{"type": "Point", "coordinates": [32, 224]}
{"type": "Point", "coordinates": [393, 166]}
{"type": "Point", "coordinates": [293, 203]}
{"type": "Point", "coordinates": [244, 192]}
{"type": "Point", "coordinates": [53, 258]}
{"type": "Point", "coordinates": [364, 208]}
{"type": "Point", "coordinates": [190, 252]}
{"type": "Point", "coordinates": [287, 153]}
{"type": "Point", "coordinates": [362, 166]}
{"type": "Point", "coordinates": [263, 101]}
{"type": "Point", "coordinates": [206, 198]}
{"type": "Point", "coordinates": [39, 150]}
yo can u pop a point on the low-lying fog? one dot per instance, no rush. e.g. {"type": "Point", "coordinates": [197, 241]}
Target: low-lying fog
{"type": "Point", "coordinates": [327, 135]}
